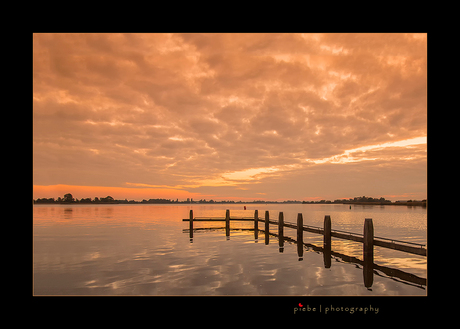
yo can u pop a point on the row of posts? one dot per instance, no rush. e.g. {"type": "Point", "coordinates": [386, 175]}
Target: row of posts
{"type": "Point", "coordinates": [368, 241]}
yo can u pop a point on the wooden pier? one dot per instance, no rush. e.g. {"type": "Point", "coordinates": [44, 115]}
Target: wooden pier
{"type": "Point", "coordinates": [367, 238]}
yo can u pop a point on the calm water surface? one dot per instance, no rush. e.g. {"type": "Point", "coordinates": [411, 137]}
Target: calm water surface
{"type": "Point", "coordinates": [143, 250]}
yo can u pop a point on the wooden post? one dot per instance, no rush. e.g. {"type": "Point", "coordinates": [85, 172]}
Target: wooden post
{"type": "Point", "coordinates": [368, 243]}
{"type": "Point", "coordinates": [227, 222]}
{"type": "Point", "coordinates": [191, 225]}
{"type": "Point", "coordinates": [256, 224]}
{"type": "Point", "coordinates": [300, 236]}
{"type": "Point", "coordinates": [368, 253]}
{"type": "Point", "coordinates": [281, 231]}
{"type": "Point", "coordinates": [267, 226]}
{"type": "Point", "coordinates": [327, 231]}
{"type": "Point", "coordinates": [327, 242]}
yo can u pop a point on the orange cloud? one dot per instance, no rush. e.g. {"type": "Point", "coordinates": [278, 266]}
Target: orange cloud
{"type": "Point", "coordinates": [217, 113]}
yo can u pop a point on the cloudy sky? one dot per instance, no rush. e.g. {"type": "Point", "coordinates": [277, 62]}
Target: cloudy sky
{"type": "Point", "coordinates": [230, 116]}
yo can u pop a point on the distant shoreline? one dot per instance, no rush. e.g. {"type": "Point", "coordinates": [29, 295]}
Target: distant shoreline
{"type": "Point", "coordinates": [69, 199]}
{"type": "Point", "coordinates": [397, 203]}
{"type": "Point", "coordinates": [413, 203]}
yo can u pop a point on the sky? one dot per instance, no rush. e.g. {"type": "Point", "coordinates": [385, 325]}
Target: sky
{"type": "Point", "coordinates": [230, 116]}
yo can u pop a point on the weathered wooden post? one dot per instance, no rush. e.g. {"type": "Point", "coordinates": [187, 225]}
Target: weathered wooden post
{"type": "Point", "coordinates": [327, 242]}
{"type": "Point", "coordinates": [368, 244]}
{"type": "Point", "coordinates": [300, 235]}
{"type": "Point", "coordinates": [227, 222]}
{"type": "Point", "coordinates": [327, 231]}
{"type": "Point", "coordinates": [281, 231]}
{"type": "Point", "coordinates": [368, 253]}
{"type": "Point", "coordinates": [256, 224]}
{"type": "Point", "coordinates": [191, 225]}
{"type": "Point", "coordinates": [267, 226]}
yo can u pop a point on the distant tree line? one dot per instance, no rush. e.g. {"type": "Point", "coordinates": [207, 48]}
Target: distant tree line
{"type": "Point", "coordinates": [366, 200]}
{"type": "Point", "coordinates": [354, 200]}
{"type": "Point", "coordinates": [68, 199]}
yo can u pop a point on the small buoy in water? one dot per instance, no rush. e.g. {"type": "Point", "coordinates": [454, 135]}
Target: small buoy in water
{"type": "Point", "coordinates": [350, 207]}
{"type": "Point", "coordinates": [244, 207]}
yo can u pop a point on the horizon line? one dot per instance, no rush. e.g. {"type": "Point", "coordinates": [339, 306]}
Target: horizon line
{"type": "Point", "coordinates": [130, 193]}
{"type": "Point", "coordinates": [190, 200]}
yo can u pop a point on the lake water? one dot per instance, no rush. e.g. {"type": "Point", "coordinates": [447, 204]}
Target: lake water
{"type": "Point", "coordinates": [146, 250]}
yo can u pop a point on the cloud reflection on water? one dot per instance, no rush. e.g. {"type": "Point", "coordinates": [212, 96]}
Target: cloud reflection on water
{"type": "Point", "coordinates": [134, 252]}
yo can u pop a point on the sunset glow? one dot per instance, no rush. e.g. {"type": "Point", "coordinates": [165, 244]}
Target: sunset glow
{"type": "Point", "coordinates": [230, 116]}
